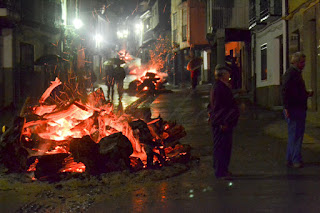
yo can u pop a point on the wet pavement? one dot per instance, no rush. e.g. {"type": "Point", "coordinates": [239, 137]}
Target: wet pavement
{"type": "Point", "coordinates": [261, 183]}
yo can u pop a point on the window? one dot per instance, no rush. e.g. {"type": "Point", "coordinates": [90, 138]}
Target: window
{"type": "Point", "coordinates": [264, 70]}
{"type": "Point", "coordinates": [174, 28]}
{"type": "Point", "coordinates": [174, 36]}
{"type": "Point", "coordinates": [147, 25]}
{"type": "Point", "coordinates": [184, 25]}
{"type": "Point", "coordinates": [26, 56]}
{"type": "Point", "coordinates": [174, 21]}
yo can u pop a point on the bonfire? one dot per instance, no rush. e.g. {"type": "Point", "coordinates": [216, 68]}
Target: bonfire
{"type": "Point", "coordinates": [67, 132]}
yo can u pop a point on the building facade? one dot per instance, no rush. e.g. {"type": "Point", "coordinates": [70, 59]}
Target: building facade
{"type": "Point", "coordinates": [230, 40]}
{"type": "Point", "coordinates": [188, 18]}
{"type": "Point", "coordinates": [268, 52]}
{"type": "Point", "coordinates": [29, 29]}
{"type": "Point", "coordinates": [303, 19]}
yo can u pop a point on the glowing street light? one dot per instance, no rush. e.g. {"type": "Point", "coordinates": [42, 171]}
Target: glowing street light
{"type": "Point", "coordinates": [138, 28]}
{"type": "Point", "coordinates": [123, 34]}
{"type": "Point", "coordinates": [98, 38]}
{"type": "Point", "coordinates": [77, 23]}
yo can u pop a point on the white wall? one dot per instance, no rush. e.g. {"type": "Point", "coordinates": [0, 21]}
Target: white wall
{"type": "Point", "coordinates": [269, 36]}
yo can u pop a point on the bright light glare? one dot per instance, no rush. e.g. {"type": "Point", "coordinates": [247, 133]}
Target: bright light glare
{"type": "Point", "coordinates": [123, 34]}
{"type": "Point", "coordinates": [98, 38]}
{"type": "Point", "coordinates": [77, 23]}
{"type": "Point", "coordinates": [138, 28]}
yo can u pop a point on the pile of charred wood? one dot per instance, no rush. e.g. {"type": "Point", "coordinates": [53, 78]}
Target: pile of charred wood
{"type": "Point", "coordinates": [100, 143]}
{"type": "Point", "coordinates": [149, 83]}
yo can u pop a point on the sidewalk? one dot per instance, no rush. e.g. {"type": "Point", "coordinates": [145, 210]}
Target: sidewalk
{"type": "Point", "coordinates": [278, 129]}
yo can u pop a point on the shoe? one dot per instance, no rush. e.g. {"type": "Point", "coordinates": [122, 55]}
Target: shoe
{"type": "Point", "coordinates": [229, 173]}
{"type": "Point", "coordinates": [227, 177]}
{"type": "Point", "coordinates": [297, 165]}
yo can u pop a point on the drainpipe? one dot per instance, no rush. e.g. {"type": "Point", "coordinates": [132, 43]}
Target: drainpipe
{"type": "Point", "coordinates": [286, 10]}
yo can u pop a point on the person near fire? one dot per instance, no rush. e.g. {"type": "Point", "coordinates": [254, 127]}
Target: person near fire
{"type": "Point", "coordinates": [110, 81]}
{"type": "Point", "coordinates": [194, 66]}
{"type": "Point", "coordinates": [119, 76]}
{"type": "Point", "coordinates": [223, 117]}
{"type": "Point", "coordinates": [294, 96]}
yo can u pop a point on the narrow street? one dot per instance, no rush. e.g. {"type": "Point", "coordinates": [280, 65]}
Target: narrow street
{"type": "Point", "coordinates": [262, 182]}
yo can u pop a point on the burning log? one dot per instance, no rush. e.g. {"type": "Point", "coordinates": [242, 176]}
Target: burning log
{"type": "Point", "coordinates": [85, 150]}
{"type": "Point", "coordinates": [169, 132]}
{"type": "Point", "coordinates": [150, 82]}
{"type": "Point", "coordinates": [116, 149]}
{"type": "Point", "coordinates": [175, 133]}
{"type": "Point", "coordinates": [136, 164]}
{"type": "Point", "coordinates": [49, 165]}
{"type": "Point", "coordinates": [150, 145]}
{"type": "Point", "coordinates": [179, 153]}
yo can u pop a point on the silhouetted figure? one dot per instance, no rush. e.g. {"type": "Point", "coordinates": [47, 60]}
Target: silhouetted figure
{"type": "Point", "coordinates": [224, 114]}
{"type": "Point", "coordinates": [194, 66]}
{"type": "Point", "coordinates": [295, 96]}
{"type": "Point", "coordinates": [119, 76]}
{"type": "Point", "coordinates": [110, 74]}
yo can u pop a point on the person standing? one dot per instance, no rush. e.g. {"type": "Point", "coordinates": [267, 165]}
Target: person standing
{"type": "Point", "coordinates": [120, 75]}
{"type": "Point", "coordinates": [294, 96]}
{"type": "Point", "coordinates": [224, 114]}
{"type": "Point", "coordinates": [110, 81]}
{"type": "Point", "coordinates": [194, 66]}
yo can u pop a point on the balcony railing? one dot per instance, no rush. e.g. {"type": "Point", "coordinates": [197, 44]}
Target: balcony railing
{"type": "Point", "coordinates": [236, 17]}
{"type": "Point", "coordinates": [270, 8]}
{"type": "Point", "coordinates": [252, 13]}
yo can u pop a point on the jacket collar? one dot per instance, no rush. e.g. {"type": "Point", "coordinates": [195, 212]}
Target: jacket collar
{"type": "Point", "coordinates": [296, 68]}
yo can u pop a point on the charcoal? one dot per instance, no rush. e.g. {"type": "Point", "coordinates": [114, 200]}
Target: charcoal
{"type": "Point", "coordinates": [85, 150]}
{"type": "Point", "coordinates": [136, 164]}
{"type": "Point", "coordinates": [145, 136]}
{"type": "Point", "coordinates": [181, 153]}
{"type": "Point", "coordinates": [175, 132]}
{"type": "Point", "coordinates": [115, 148]}
{"type": "Point", "coordinates": [49, 165]}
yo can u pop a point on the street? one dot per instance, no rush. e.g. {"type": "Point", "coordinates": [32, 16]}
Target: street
{"type": "Point", "coordinates": [262, 182]}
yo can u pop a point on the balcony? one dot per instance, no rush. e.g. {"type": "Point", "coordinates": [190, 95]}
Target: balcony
{"type": "Point", "coordinates": [232, 17]}
{"type": "Point", "coordinates": [270, 10]}
{"type": "Point", "coordinates": [148, 36]}
{"type": "Point", "coordinates": [45, 17]}
{"type": "Point", "coordinates": [8, 13]}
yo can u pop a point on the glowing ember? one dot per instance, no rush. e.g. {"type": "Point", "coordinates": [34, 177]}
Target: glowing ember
{"type": "Point", "coordinates": [75, 120]}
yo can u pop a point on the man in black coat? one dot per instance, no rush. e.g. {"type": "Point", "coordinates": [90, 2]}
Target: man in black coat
{"type": "Point", "coordinates": [224, 114]}
{"type": "Point", "coordinates": [294, 96]}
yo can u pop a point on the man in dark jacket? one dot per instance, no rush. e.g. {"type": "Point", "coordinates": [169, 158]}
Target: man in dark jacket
{"type": "Point", "coordinates": [224, 114]}
{"type": "Point", "coordinates": [295, 95]}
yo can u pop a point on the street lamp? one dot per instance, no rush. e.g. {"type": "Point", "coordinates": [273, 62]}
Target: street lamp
{"type": "Point", "coordinates": [77, 23]}
{"type": "Point", "coordinates": [98, 38]}
{"type": "Point", "coordinates": [122, 34]}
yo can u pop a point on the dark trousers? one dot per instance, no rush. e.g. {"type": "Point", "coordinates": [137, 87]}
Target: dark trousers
{"type": "Point", "coordinates": [194, 78]}
{"type": "Point", "coordinates": [222, 145]}
{"type": "Point", "coordinates": [296, 126]}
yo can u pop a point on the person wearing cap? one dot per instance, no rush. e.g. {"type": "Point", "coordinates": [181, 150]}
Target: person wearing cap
{"type": "Point", "coordinates": [223, 117]}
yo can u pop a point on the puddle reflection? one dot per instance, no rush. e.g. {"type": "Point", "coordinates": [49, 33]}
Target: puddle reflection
{"type": "Point", "coordinates": [144, 198]}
